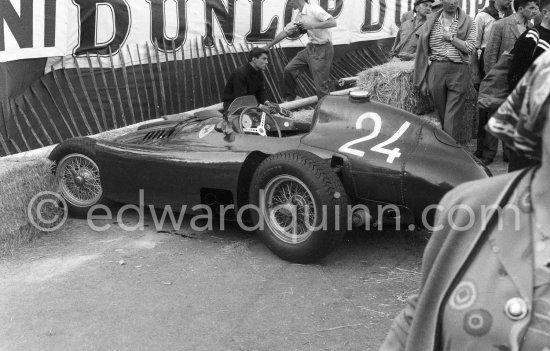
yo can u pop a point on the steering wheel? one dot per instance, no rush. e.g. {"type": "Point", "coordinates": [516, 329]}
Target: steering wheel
{"type": "Point", "coordinates": [249, 123]}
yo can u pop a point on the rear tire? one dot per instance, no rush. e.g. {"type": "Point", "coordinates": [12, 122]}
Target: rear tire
{"type": "Point", "coordinates": [295, 192]}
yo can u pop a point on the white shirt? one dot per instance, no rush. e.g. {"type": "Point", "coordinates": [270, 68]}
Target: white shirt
{"type": "Point", "coordinates": [484, 22]}
{"type": "Point", "coordinates": [312, 14]}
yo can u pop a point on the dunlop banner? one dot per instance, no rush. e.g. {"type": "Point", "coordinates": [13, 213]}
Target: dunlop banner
{"type": "Point", "coordinates": [56, 28]}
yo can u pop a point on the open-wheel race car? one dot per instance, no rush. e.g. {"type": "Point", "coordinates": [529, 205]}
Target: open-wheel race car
{"type": "Point", "coordinates": [300, 183]}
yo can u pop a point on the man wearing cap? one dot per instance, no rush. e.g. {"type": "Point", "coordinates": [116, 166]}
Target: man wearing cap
{"type": "Point", "coordinates": [404, 47]}
{"type": "Point", "coordinates": [247, 79]}
{"type": "Point", "coordinates": [318, 54]}
{"type": "Point", "coordinates": [442, 63]}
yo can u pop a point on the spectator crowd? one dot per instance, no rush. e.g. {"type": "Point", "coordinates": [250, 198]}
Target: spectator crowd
{"type": "Point", "coordinates": [493, 51]}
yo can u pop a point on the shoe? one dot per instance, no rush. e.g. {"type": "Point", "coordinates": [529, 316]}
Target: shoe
{"type": "Point", "coordinates": [486, 160]}
{"type": "Point", "coordinates": [505, 158]}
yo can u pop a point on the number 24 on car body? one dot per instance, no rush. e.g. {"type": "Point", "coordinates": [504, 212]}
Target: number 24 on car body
{"type": "Point", "coordinates": [380, 148]}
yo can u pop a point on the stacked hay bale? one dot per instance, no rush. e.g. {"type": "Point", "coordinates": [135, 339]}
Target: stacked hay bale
{"type": "Point", "coordinates": [20, 183]}
{"type": "Point", "coordinates": [393, 84]}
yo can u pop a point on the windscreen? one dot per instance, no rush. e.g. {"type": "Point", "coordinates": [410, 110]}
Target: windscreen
{"type": "Point", "coordinates": [240, 102]}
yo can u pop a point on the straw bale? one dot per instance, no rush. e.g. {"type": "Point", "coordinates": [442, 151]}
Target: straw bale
{"type": "Point", "coordinates": [393, 83]}
{"type": "Point", "coordinates": [18, 186]}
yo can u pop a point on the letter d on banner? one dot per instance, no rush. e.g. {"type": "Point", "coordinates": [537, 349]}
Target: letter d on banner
{"type": "Point", "coordinates": [103, 24]}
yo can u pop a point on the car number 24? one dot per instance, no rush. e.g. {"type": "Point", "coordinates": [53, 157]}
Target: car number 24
{"type": "Point", "coordinates": [380, 147]}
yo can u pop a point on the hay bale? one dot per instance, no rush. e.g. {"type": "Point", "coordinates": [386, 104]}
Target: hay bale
{"type": "Point", "coordinates": [19, 184]}
{"type": "Point", "coordinates": [393, 84]}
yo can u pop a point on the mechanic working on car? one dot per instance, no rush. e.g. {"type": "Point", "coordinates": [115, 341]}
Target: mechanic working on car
{"type": "Point", "coordinates": [248, 80]}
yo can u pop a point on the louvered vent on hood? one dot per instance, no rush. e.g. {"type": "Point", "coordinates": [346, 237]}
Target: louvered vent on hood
{"type": "Point", "coordinates": [158, 134]}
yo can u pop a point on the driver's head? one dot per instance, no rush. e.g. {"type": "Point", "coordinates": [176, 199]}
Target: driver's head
{"type": "Point", "coordinates": [257, 57]}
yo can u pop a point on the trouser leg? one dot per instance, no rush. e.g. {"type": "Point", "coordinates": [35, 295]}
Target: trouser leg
{"type": "Point", "coordinates": [483, 116]}
{"type": "Point", "coordinates": [438, 89]}
{"type": "Point", "coordinates": [292, 71]}
{"type": "Point", "coordinates": [458, 80]}
{"type": "Point", "coordinates": [489, 143]}
{"type": "Point", "coordinates": [320, 61]}
{"type": "Point", "coordinates": [482, 121]}
{"type": "Point", "coordinates": [490, 146]}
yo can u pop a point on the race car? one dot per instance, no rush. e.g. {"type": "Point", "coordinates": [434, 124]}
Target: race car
{"type": "Point", "coordinates": [298, 184]}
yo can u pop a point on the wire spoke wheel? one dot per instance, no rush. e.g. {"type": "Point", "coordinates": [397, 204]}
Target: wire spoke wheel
{"type": "Point", "coordinates": [289, 209]}
{"type": "Point", "coordinates": [79, 180]}
{"type": "Point", "coordinates": [301, 205]}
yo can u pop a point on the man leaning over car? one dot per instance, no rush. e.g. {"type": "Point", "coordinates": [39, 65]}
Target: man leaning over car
{"type": "Point", "coordinates": [248, 79]}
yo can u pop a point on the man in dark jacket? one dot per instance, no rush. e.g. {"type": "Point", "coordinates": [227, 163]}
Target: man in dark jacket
{"type": "Point", "coordinates": [529, 46]}
{"type": "Point", "coordinates": [247, 79]}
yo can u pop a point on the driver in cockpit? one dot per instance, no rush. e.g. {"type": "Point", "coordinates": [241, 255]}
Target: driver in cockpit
{"type": "Point", "coordinates": [249, 80]}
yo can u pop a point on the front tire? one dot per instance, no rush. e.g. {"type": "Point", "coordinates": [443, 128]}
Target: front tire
{"type": "Point", "coordinates": [78, 175]}
{"type": "Point", "coordinates": [302, 206]}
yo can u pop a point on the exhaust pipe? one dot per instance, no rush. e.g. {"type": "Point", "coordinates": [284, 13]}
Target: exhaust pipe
{"type": "Point", "coordinates": [359, 218]}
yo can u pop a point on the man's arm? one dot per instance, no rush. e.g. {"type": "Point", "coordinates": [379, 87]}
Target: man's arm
{"type": "Point", "coordinates": [467, 46]}
{"type": "Point", "coordinates": [492, 50]}
{"type": "Point", "coordinates": [261, 95]}
{"type": "Point", "coordinates": [393, 51]}
{"type": "Point", "coordinates": [523, 56]}
{"type": "Point", "coordinates": [279, 37]}
{"type": "Point", "coordinates": [480, 25]}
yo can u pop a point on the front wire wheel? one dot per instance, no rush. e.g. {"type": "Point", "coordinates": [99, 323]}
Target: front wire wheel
{"type": "Point", "coordinates": [290, 209]}
{"type": "Point", "coordinates": [79, 181]}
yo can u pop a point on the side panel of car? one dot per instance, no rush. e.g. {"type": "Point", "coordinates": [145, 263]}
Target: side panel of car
{"type": "Point", "coordinates": [166, 176]}
{"type": "Point", "coordinates": [436, 166]}
{"type": "Point", "coordinates": [377, 140]}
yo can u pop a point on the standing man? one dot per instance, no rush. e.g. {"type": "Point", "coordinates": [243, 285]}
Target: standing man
{"type": "Point", "coordinates": [504, 34]}
{"type": "Point", "coordinates": [442, 62]}
{"type": "Point", "coordinates": [529, 46]}
{"type": "Point", "coordinates": [484, 20]}
{"type": "Point", "coordinates": [318, 53]}
{"type": "Point", "coordinates": [496, 10]}
{"type": "Point", "coordinates": [247, 79]}
{"type": "Point", "coordinates": [404, 47]}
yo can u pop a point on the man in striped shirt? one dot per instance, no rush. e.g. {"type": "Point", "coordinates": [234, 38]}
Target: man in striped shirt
{"type": "Point", "coordinates": [442, 62]}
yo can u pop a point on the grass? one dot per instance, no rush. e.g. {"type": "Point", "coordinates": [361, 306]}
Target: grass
{"type": "Point", "coordinates": [19, 185]}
